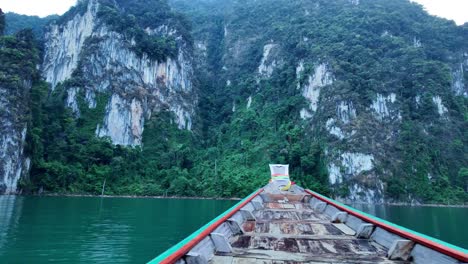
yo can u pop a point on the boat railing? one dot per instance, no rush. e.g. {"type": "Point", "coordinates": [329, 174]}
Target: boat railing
{"type": "Point", "coordinates": [430, 242]}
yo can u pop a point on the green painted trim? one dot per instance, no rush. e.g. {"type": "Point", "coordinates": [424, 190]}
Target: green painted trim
{"type": "Point", "coordinates": [396, 226]}
{"type": "Point", "coordinates": [182, 243]}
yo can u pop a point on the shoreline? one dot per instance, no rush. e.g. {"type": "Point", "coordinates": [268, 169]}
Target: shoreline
{"type": "Point", "coordinates": [412, 205]}
{"type": "Point", "coordinates": [229, 199]}
{"type": "Point", "coordinates": [129, 196]}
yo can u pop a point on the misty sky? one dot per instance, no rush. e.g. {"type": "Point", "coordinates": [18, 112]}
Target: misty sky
{"type": "Point", "coordinates": [451, 9]}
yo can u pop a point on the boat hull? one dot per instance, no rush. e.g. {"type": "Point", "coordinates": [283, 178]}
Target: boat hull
{"type": "Point", "coordinates": [301, 226]}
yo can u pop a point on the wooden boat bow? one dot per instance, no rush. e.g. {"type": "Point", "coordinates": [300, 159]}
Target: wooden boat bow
{"type": "Point", "coordinates": [301, 226]}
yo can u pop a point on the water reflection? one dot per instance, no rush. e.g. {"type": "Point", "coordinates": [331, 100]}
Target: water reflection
{"type": "Point", "coordinates": [100, 238]}
{"type": "Point", "coordinates": [104, 241]}
{"type": "Point", "coordinates": [10, 211]}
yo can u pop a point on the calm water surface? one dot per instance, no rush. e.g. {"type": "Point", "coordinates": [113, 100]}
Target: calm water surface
{"type": "Point", "coordinates": [97, 230]}
{"type": "Point", "coordinates": [126, 230]}
{"type": "Point", "coordinates": [449, 224]}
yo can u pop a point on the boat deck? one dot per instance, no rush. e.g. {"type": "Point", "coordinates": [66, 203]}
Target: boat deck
{"type": "Point", "coordinates": [286, 229]}
{"type": "Point", "coordinates": [300, 226]}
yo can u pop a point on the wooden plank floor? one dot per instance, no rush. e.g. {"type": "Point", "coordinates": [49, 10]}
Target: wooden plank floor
{"type": "Point", "coordinates": [292, 232]}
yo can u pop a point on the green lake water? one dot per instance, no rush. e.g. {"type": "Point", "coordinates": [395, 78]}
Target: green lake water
{"type": "Point", "coordinates": [135, 230]}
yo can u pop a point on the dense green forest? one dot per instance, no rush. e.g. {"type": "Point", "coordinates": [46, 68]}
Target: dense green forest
{"type": "Point", "coordinates": [17, 22]}
{"type": "Point", "coordinates": [134, 17]}
{"type": "Point", "coordinates": [370, 53]}
{"type": "Point", "coordinates": [371, 49]}
{"type": "Point", "coordinates": [230, 160]}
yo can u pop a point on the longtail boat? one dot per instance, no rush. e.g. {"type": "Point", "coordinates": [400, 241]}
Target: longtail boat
{"type": "Point", "coordinates": [289, 224]}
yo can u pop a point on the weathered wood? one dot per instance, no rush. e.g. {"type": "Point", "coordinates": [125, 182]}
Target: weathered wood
{"type": "Point", "coordinates": [284, 197]}
{"type": "Point", "coordinates": [203, 251]}
{"type": "Point", "coordinates": [281, 209]}
{"type": "Point", "coordinates": [331, 210]}
{"type": "Point", "coordinates": [320, 207]}
{"type": "Point", "coordinates": [313, 201]}
{"type": "Point", "coordinates": [257, 205]}
{"type": "Point", "coordinates": [376, 258]}
{"type": "Point", "coordinates": [288, 215]}
{"type": "Point", "coordinates": [289, 227]}
{"type": "Point", "coordinates": [236, 229]}
{"type": "Point", "coordinates": [308, 237]}
{"type": "Point", "coordinates": [296, 228]}
{"type": "Point", "coordinates": [247, 215]}
{"type": "Point", "coordinates": [424, 255]}
{"type": "Point", "coordinates": [248, 207]}
{"type": "Point", "coordinates": [365, 231]}
{"type": "Point", "coordinates": [301, 206]}
{"type": "Point", "coordinates": [339, 217]}
{"type": "Point", "coordinates": [181, 261]}
{"type": "Point", "coordinates": [353, 222]}
{"type": "Point", "coordinates": [221, 260]}
{"type": "Point", "coordinates": [384, 237]}
{"type": "Point", "coordinates": [279, 221]}
{"type": "Point", "coordinates": [195, 258]}
{"type": "Point", "coordinates": [244, 261]}
{"type": "Point", "coordinates": [400, 250]}
{"type": "Point", "coordinates": [306, 199]}
{"type": "Point", "coordinates": [345, 229]}
{"type": "Point", "coordinates": [289, 206]}
{"type": "Point", "coordinates": [265, 198]}
{"type": "Point", "coordinates": [238, 217]}
{"type": "Point", "coordinates": [225, 230]}
{"type": "Point", "coordinates": [221, 243]}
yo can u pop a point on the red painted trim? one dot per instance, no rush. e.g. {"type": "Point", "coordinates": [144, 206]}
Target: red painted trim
{"type": "Point", "coordinates": [187, 247]}
{"type": "Point", "coordinates": [421, 240]}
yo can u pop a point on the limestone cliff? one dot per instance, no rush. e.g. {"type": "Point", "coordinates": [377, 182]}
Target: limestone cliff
{"type": "Point", "coordinates": [371, 94]}
{"type": "Point", "coordinates": [17, 70]}
{"type": "Point", "coordinates": [13, 162]}
{"type": "Point", "coordinates": [136, 84]}
{"type": "Point", "coordinates": [366, 100]}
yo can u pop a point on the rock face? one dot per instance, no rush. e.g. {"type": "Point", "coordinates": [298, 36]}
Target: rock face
{"type": "Point", "coordinates": [269, 60]}
{"type": "Point", "coordinates": [366, 106]}
{"type": "Point", "coordinates": [64, 44]}
{"type": "Point", "coordinates": [381, 107]}
{"type": "Point", "coordinates": [458, 83]}
{"type": "Point", "coordinates": [375, 99]}
{"type": "Point", "coordinates": [136, 85]}
{"type": "Point", "coordinates": [14, 163]}
{"type": "Point", "coordinates": [16, 78]}
{"type": "Point", "coordinates": [318, 79]}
